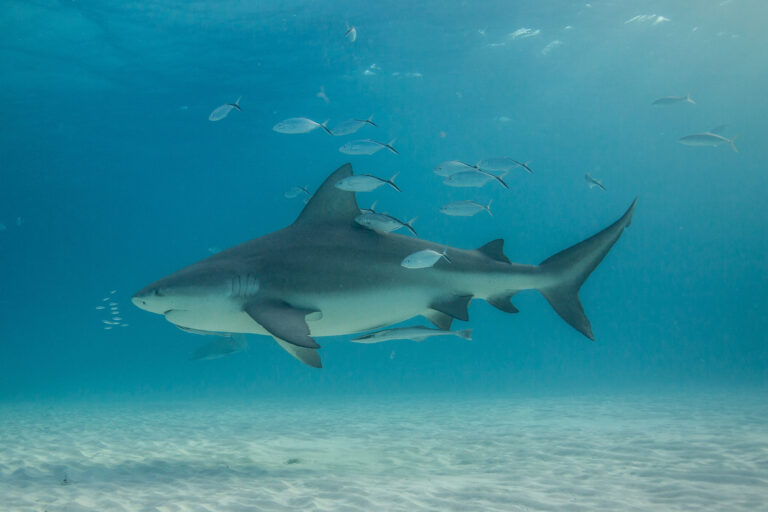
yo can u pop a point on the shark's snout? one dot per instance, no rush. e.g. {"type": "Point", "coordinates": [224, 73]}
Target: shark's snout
{"type": "Point", "coordinates": [149, 299]}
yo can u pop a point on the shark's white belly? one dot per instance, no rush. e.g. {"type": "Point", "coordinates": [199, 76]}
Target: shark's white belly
{"type": "Point", "coordinates": [341, 313]}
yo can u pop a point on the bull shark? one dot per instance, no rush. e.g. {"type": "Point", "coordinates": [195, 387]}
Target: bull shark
{"type": "Point", "coordinates": [326, 275]}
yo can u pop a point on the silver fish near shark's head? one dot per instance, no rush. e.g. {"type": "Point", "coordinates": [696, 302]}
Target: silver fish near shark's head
{"type": "Point", "coordinates": [196, 288]}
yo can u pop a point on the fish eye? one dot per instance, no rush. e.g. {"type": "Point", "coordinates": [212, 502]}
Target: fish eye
{"type": "Point", "coordinates": [159, 293]}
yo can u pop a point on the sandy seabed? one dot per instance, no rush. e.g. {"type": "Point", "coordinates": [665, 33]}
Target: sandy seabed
{"type": "Point", "coordinates": [410, 454]}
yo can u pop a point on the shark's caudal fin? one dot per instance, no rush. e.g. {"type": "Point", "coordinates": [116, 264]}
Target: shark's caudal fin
{"type": "Point", "coordinates": [572, 267]}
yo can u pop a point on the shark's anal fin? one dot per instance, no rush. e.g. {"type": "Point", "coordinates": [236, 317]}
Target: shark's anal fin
{"type": "Point", "coordinates": [494, 250]}
{"type": "Point", "coordinates": [503, 303]}
{"type": "Point", "coordinates": [440, 320]}
{"type": "Point", "coordinates": [282, 321]}
{"type": "Point", "coordinates": [308, 356]}
{"type": "Point", "coordinates": [454, 306]}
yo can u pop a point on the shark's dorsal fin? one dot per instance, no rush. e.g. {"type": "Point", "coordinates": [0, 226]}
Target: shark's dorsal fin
{"type": "Point", "coordinates": [330, 204]}
{"type": "Point", "coordinates": [494, 250]}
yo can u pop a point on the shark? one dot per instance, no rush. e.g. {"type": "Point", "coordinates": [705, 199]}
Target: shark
{"type": "Point", "coordinates": [326, 275]}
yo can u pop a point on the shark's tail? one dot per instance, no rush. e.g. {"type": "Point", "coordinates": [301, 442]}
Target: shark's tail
{"type": "Point", "coordinates": [571, 268]}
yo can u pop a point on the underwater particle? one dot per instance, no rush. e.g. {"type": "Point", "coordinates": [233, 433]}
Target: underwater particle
{"type": "Point", "coordinates": [384, 223]}
{"type": "Point", "coordinates": [107, 327]}
{"type": "Point", "coordinates": [366, 147]}
{"type": "Point", "coordinates": [365, 183]}
{"type": "Point", "coordinates": [351, 126]}
{"type": "Point", "coordinates": [123, 325]}
{"type": "Point", "coordinates": [392, 355]}
{"type": "Point", "coordinates": [213, 250]}
{"type": "Point", "coordinates": [350, 34]}
{"type": "Point", "coordinates": [19, 221]}
{"type": "Point", "coordinates": [321, 94]}
{"type": "Point", "coordinates": [298, 125]}
{"type": "Point", "coordinates": [467, 208]}
{"type": "Point", "coordinates": [293, 461]}
{"type": "Point", "coordinates": [424, 259]}
{"type": "Point", "coordinates": [223, 111]}
{"type": "Point", "coordinates": [551, 46]}
{"type": "Point", "coordinates": [2, 227]}
{"type": "Point", "coordinates": [474, 178]}
{"type": "Point", "coordinates": [65, 480]}
{"type": "Point", "coordinates": [673, 100]}
{"type": "Point", "coordinates": [593, 182]}
{"type": "Point", "coordinates": [442, 134]}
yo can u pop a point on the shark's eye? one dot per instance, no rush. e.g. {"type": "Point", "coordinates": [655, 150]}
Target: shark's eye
{"type": "Point", "coordinates": [159, 293]}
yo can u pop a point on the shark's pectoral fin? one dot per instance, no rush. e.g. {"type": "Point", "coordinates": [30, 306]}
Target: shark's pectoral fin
{"type": "Point", "coordinates": [282, 321]}
{"type": "Point", "coordinates": [454, 306]}
{"type": "Point", "coordinates": [308, 356]}
{"type": "Point", "coordinates": [503, 303]}
{"type": "Point", "coordinates": [440, 320]}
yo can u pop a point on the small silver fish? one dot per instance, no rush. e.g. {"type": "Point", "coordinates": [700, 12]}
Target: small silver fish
{"type": "Point", "coordinates": [708, 139]}
{"type": "Point", "coordinates": [369, 210]}
{"type": "Point", "coordinates": [501, 164]}
{"type": "Point", "coordinates": [297, 125]}
{"type": "Point", "coordinates": [466, 208]}
{"type": "Point", "coordinates": [424, 259]}
{"type": "Point", "coordinates": [295, 192]}
{"type": "Point", "coordinates": [384, 223]}
{"type": "Point", "coordinates": [351, 126]}
{"type": "Point", "coordinates": [351, 33]}
{"type": "Point", "coordinates": [365, 183]}
{"type": "Point", "coordinates": [321, 94]}
{"type": "Point", "coordinates": [100, 307]}
{"type": "Point", "coordinates": [672, 100]}
{"type": "Point", "coordinates": [223, 111]}
{"type": "Point", "coordinates": [593, 182]}
{"type": "Point", "coordinates": [473, 178]}
{"type": "Point", "coordinates": [366, 147]}
{"type": "Point", "coordinates": [452, 167]}
{"type": "Point", "coordinates": [416, 333]}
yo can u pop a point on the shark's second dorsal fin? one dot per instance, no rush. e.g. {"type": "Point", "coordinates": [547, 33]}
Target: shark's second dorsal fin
{"type": "Point", "coordinates": [494, 250]}
{"type": "Point", "coordinates": [331, 204]}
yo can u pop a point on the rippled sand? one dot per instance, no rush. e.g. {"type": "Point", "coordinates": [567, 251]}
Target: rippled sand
{"type": "Point", "coordinates": [601, 453]}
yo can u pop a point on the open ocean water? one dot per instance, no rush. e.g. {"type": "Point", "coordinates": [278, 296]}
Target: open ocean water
{"type": "Point", "coordinates": [116, 170]}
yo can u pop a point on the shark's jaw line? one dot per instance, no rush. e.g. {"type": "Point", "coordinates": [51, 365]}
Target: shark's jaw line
{"type": "Point", "coordinates": [324, 275]}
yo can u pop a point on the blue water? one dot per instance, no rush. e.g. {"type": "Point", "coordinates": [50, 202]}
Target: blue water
{"type": "Point", "coordinates": [118, 178]}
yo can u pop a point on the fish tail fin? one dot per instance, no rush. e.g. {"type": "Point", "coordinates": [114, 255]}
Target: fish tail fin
{"type": "Point", "coordinates": [391, 182]}
{"type": "Point", "coordinates": [488, 208]}
{"type": "Point", "coordinates": [465, 333]}
{"type": "Point", "coordinates": [390, 146]}
{"type": "Point", "coordinates": [733, 146]}
{"type": "Point", "coordinates": [500, 179]}
{"type": "Point", "coordinates": [370, 120]}
{"type": "Point", "coordinates": [324, 126]}
{"type": "Point", "coordinates": [689, 100]}
{"type": "Point", "coordinates": [444, 255]}
{"type": "Point", "coordinates": [409, 226]}
{"type": "Point", "coordinates": [572, 267]}
{"type": "Point", "coordinates": [525, 166]}
{"type": "Point", "coordinates": [236, 104]}
{"type": "Point", "coordinates": [373, 205]}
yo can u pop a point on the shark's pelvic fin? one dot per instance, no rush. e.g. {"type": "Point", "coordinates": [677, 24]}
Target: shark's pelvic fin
{"type": "Point", "coordinates": [331, 204]}
{"type": "Point", "coordinates": [440, 320]}
{"type": "Point", "coordinates": [308, 356]}
{"type": "Point", "coordinates": [282, 321]}
{"type": "Point", "coordinates": [574, 265]}
{"type": "Point", "coordinates": [503, 303]}
{"type": "Point", "coordinates": [494, 250]}
{"type": "Point", "coordinates": [455, 306]}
